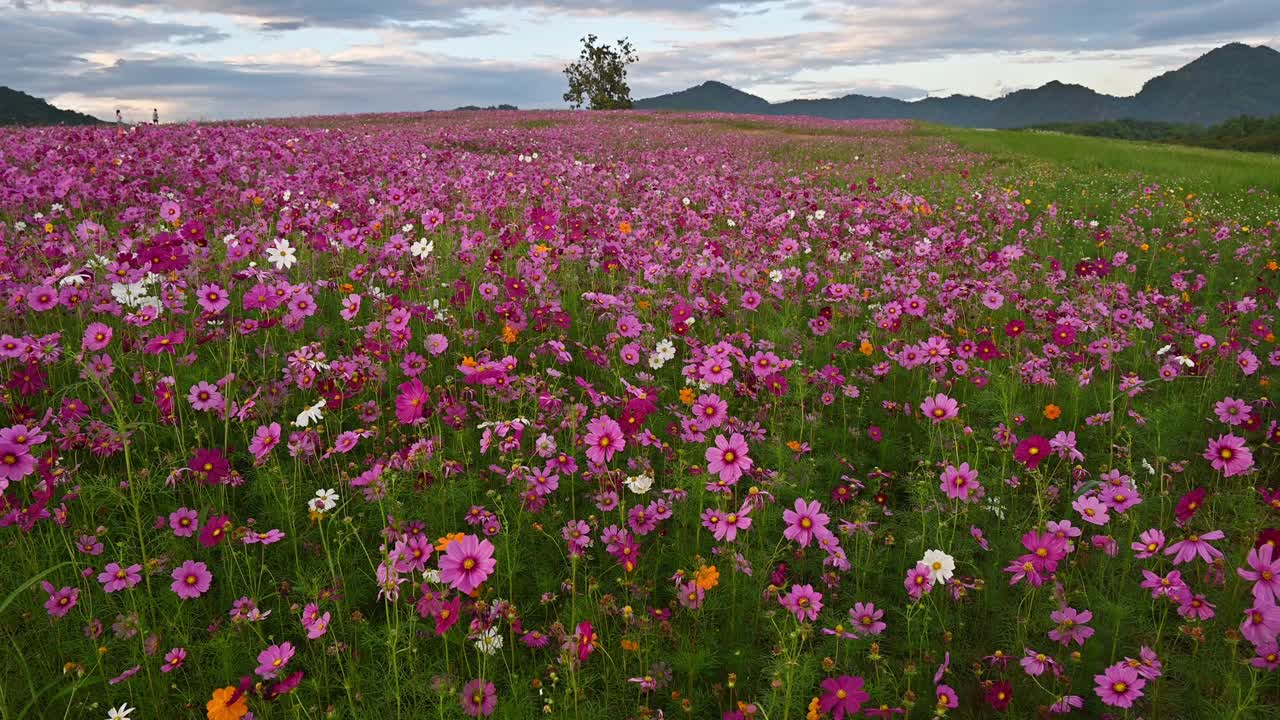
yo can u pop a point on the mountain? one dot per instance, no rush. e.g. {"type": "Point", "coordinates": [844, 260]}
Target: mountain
{"type": "Point", "coordinates": [19, 108]}
{"type": "Point", "coordinates": [710, 96]}
{"type": "Point", "coordinates": [1226, 82]}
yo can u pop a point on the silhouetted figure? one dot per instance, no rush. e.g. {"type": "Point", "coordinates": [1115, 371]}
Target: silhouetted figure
{"type": "Point", "coordinates": [119, 117]}
{"type": "Point", "coordinates": [155, 116]}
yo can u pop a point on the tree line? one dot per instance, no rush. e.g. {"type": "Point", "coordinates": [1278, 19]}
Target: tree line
{"type": "Point", "coordinates": [1244, 132]}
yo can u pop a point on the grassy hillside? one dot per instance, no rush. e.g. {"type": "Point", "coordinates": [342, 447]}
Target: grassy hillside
{"type": "Point", "coordinates": [1201, 168]}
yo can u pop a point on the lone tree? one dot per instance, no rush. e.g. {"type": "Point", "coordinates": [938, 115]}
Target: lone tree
{"type": "Point", "coordinates": [599, 78]}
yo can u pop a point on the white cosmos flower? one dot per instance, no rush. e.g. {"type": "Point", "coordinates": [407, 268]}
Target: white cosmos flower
{"type": "Point", "coordinates": [324, 501]}
{"type": "Point", "coordinates": [422, 249]}
{"type": "Point", "coordinates": [1185, 361]}
{"type": "Point", "coordinates": [639, 484]}
{"type": "Point", "coordinates": [490, 642]}
{"type": "Point", "coordinates": [311, 415]}
{"type": "Point", "coordinates": [941, 565]}
{"type": "Point", "coordinates": [282, 254]}
{"type": "Point", "coordinates": [120, 713]}
{"type": "Point", "coordinates": [1164, 349]}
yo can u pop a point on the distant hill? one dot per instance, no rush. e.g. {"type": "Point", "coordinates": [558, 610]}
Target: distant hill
{"type": "Point", "coordinates": [1226, 82]}
{"type": "Point", "coordinates": [19, 108]}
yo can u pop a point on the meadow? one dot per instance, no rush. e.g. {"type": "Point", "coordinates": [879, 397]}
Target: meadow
{"type": "Point", "coordinates": [635, 415]}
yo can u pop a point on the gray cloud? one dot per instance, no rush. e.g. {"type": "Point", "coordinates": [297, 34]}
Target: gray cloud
{"type": "Point", "coordinates": [61, 53]}
{"type": "Point", "coordinates": [205, 90]}
{"type": "Point", "coordinates": [277, 15]}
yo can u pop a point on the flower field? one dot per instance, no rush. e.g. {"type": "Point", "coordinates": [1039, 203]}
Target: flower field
{"type": "Point", "coordinates": [590, 415]}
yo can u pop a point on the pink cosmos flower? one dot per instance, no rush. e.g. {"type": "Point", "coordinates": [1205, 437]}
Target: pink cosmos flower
{"type": "Point", "coordinates": [1091, 510]}
{"type": "Point", "coordinates": [184, 522]}
{"type": "Point", "coordinates": [806, 521]}
{"type": "Point", "coordinates": [1169, 585]}
{"type": "Point", "coordinates": [1261, 622]}
{"type": "Point", "coordinates": [265, 439]}
{"type": "Point", "coordinates": [436, 344]}
{"type": "Point", "coordinates": [1232, 411]}
{"type": "Point", "coordinates": [61, 600]}
{"type": "Point", "coordinates": [205, 396]}
{"type": "Point", "coordinates": [1187, 549]}
{"type": "Point", "coordinates": [939, 408]}
{"type": "Point", "coordinates": [961, 483]}
{"type": "Point", "coordinates": [212, 298]}
{"type": "Point", "coordinates": [729, 457]}
{"type": "Point", "coordinates": [97, 336]}
{"type": "Point", "coordinates": [1035, 663]}
{"type": "Point", "coordinates": [174, 659]}
{"type": "Point", "coordinates": [1266, 656]}
{"type": "Point", "coordinates": [1119, 685]}
{"type": "Point", "coordinates": [115, 577]}
{"type": "Point", "coordinates": [803, 601]}
{"type": "Point", "coordinates": [16, 462]}
{"type": "Point", "coordinates": [170, 211]}
{"type": "Point", "coordinates": [604, 438]}
{"type": "Point", "coordinates": [709, 411]}
{"type": "Point", "coordinates": [271, 662]}
{"type": "Point", "coordinates": [1150, 543]}
{"type": "Point", "coordinates": [191, 580]}
{"type": "Point", "coordinates": [1229, 455]}
{"type": "Point", "coordinates": [1071, 626]}
{"type": "Point", "coordinates": [918, 581]}
{"type": "Point", "coordinates": [1263, 572]}
{"type": "Point", "coordinates": [479, 698]}
{"type": "Point", "coordinates": [467, 563]}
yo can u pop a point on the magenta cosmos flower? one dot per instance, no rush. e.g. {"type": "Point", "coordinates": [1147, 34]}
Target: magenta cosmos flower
{"type": "Point", "coordinates": [479, 697]}
{"type": "Point", "coordinates": [1119, 685]}
{"type": "Point", "coordinates": [412, 402]}
{"type": "Point", "coordinates": [191, 580]}
{"type": "Point", "coordinates": [939, 408]}
{"type": "Point", "coordinates": [806, 521]}
{"type": "Point", "coordinates": [803, 601]}
{"type": "Point", "coordinates": [729, 457]}
{"type": "Point", "coordinates": [1229, 454]}
{"type": "Point", "coordinates": [842, 695]}
{"type": "Point", "coordinates": [467, 563]}
{"type": "Point", "coordinates": [604, 438]}
{"type": "Point", "coordinates": [866, 618]}
{"type": "Point", "coordinates": [1031, 451]}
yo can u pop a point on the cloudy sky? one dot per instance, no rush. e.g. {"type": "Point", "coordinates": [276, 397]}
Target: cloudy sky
{"type": "Point", "coordinates": [210, 59]}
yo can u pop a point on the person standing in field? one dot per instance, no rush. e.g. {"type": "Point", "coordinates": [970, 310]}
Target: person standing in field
{"type": "Point", "coordinates": [155, 116]}
{"type": "Point", "coordinates": [119, 117]}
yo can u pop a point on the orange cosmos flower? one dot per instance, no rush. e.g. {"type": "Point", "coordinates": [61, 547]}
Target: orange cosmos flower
{"type": "Point", "coordinates": [220, 706]}
{"type": "Point", "coordinates": [707, 577]}
{"type": "Point", "coordinates": [448, 540]}
{"type": "Point", "coordinates": [1053, 412]}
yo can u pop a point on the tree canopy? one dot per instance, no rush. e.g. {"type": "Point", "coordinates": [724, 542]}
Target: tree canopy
{"type": "Point", "coordinates": [599, 78]}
